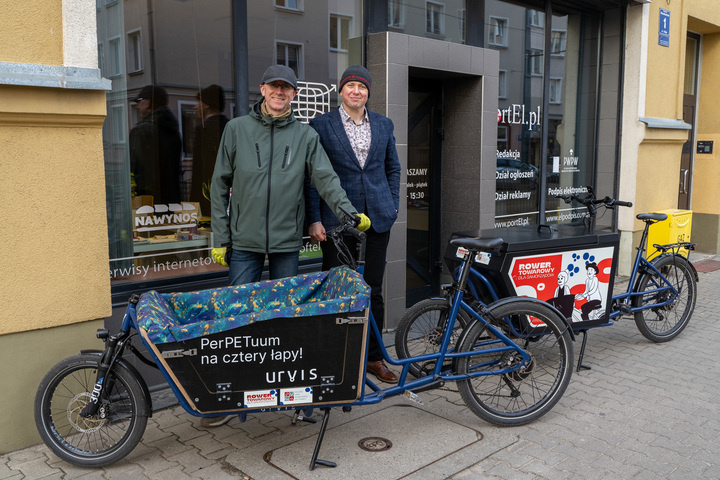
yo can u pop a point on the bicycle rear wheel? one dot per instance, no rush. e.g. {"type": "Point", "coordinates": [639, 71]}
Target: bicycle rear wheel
{"type": "Point", "coordinates": [661, 324]}
{"type": "Point", "coordinates": [94, 441]}
{"type": "Point", "coordinates": [529, 391]}
{"type": "Point", "coordinates": [421, 329]}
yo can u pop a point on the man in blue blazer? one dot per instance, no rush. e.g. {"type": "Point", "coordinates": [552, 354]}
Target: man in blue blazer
{"type": "Point", "coordinates": [361, 148]}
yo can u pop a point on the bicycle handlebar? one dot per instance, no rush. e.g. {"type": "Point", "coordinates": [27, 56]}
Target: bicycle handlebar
{"type": "Point", "coordinates": [590, 199]}
{"type": "Point", "coordinates": [351, 221]}
{"type": "Point", "coordinates": [347, 225]}
{"type": "Point", "coordinates": [591, 202]}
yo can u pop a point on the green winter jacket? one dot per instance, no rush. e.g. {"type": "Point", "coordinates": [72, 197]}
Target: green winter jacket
{"type": "Point", "coordinates": [264, 160]}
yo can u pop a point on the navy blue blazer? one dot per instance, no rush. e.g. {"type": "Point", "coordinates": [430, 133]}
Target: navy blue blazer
{"type": "Point", "coordinates": [373, 190]}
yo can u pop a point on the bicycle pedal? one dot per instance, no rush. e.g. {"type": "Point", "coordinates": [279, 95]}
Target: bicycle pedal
{"type": "Point", "coordinates": [414, 397]}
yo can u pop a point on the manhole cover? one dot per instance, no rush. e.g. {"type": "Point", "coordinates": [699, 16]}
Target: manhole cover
{"type": "Point", "coordinates": [375, 444]}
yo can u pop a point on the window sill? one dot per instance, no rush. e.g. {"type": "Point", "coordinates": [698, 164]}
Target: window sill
{"type": "Point", "coordinates": [289, 10]}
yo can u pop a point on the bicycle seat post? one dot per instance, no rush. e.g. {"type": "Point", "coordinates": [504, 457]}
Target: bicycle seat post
{"type": "Point", "coordinates": [473, 247]}
{"type": "Point", "coordinates": [465, 270]}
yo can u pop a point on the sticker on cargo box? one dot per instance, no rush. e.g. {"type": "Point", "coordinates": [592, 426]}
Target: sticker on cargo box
{"type": "Point", "coordinates": [295, 396]}
{"type": "Point", "coordinates": [261, 398]}
{"type": "Point", "coordinates": [576, 282]}
{"type": "Point", "coordinates": [481, 257]}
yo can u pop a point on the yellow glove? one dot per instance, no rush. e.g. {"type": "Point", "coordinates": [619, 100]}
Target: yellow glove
{"type": "Point", "coordinates": [364, 224]}
{"type": "Point", "coordinates": [218, 254]}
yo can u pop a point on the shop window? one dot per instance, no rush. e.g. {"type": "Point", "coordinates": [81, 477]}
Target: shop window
{"type": "Point", "coordinates": [339, 32]}
{"type": "Point", "coordinates": [290, 4]}
{"type": "Point", "coordinates": [538, 160]}
{"type": "Point", "coordinates": [290, 55]}
{"type": "Point", "coordinates": [502, 83]}
{"type": "Point", "coordinates": [555, 90]}
{"type": "Point", "coordinates": [497, 31]}
{"type": "Point", "coordinates": [558, 42]}
{"type": "Point", "coordinates": [134, 52]}
{"type": "Point", "coordinates": [163, 240]}
{"type": "Point", "coordinates": [435, 18]}
{"type": "Point", "coordinates": [396, 13]}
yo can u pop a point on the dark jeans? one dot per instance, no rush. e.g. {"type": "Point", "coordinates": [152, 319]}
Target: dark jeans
{"type": "Point", "coordinates": [375, 259]}
{"type": "Point", "coordinates": [246, 267]}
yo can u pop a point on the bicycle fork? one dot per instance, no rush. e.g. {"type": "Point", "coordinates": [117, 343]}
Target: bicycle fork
{"type": "Point", "coordinates": [114, 346]}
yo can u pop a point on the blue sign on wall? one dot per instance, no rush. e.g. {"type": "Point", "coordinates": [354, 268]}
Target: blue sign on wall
{"type": "Point", "coordinates": [664, 28]}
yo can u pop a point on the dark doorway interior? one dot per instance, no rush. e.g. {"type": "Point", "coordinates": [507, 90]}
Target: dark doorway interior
{"type": "Point", "coordinates": [689, 103]}
{"type": "Point", "coordinates": [423, 189]}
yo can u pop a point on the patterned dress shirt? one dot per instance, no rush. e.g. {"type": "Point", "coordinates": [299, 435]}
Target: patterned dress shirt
{"type": "Point", "coordinates": [358, 134]}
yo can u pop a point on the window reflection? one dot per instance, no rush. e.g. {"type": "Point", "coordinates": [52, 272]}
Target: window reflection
{"type": "Point", "coordinates": [157, 133]}
{"type": "Point", "coordinates": [159, 158]}
{"type": "Point", "coordinates": [429, 18]}
{"type": "Point", "coordinates": [519, 34]}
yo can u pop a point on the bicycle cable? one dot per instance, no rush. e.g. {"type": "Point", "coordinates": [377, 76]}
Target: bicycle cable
{"type": "Point", "coordinates": [343, 255]}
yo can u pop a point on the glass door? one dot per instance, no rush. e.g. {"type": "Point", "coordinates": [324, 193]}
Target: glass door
{"type": "Point", "coordinates": [423, 190]}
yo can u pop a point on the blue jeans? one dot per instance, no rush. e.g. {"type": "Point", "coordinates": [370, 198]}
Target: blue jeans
{"type": "Point", "coordinates": [246, 267]}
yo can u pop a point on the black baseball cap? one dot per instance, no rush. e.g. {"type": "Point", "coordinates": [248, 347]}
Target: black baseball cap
{"type": "Point", "coordinates": [280, 72]}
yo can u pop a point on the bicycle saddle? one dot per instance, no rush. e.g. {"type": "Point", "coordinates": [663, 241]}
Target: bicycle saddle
{"type": "Point", "coordinates": [652, 217]}
{"type": "Point", "coordinates": [478, 244]}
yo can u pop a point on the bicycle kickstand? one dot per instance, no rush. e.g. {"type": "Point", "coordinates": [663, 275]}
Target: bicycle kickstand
{"type": "Point", "coordinates": [315, 461]}
{"type": "Point", "coordinates": [580, 365]}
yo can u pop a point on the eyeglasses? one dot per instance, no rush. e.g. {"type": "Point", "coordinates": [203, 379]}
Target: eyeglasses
{"type": "Point", "coordinates": [286, 87]}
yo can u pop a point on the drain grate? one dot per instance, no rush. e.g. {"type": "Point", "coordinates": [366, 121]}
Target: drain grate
{"type": "Point", "coordinates": [375, 444]}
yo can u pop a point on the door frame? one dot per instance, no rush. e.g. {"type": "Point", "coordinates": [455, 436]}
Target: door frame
{"type": "Point", "coordinates": [687, 158]}
{"type": "Point", "coordinates": [468, 197]}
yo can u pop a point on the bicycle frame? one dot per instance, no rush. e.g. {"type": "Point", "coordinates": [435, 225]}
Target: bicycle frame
{"type": "Point", "coordinates": [117, 343]}
{"type": "Point", "coordinates": [622, 303]}
{"type": "Point", "coordinates": [445, 352]}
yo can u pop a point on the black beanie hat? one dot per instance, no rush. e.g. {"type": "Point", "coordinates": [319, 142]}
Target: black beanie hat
{"type": "Point", "coordinates": [356, 73]}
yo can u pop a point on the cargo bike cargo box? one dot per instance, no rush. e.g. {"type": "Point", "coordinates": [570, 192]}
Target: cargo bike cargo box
{"type": "Point", "coordinates": [279, 344]}
{"type": "Point", "coordinates": [572, 267]}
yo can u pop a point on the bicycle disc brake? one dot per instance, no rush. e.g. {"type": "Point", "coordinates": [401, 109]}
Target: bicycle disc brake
{"type": "Point", "coordinates": [80, 423]}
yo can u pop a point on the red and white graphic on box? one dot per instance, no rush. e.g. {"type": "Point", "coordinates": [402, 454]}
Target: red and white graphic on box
{"type": "Point", "coordinates": [296, 396]}
{"type": "Point", "coordinates": [261, 398]}
{"type": "Point", "coordinates": [576, 282]}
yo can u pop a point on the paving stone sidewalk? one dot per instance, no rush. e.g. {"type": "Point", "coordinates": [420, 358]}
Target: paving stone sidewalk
{"type": "Point", "coordinates": [643, 411]}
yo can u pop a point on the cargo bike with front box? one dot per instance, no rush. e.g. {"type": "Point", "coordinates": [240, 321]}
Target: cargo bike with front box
{"type": "Point", "coordinates": [571, 267]}
{"type": "Point", "coordinates": [298, 343]}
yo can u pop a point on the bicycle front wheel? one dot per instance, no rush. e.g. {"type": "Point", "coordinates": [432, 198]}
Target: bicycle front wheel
{"type": "Point", "coordinates": [95, 441]}
{"type": "Point", "coordinates": [421, 329]}
{"type": "Point", "coordinates": [530, 390]}
{"type": "Point", "coordinates": [663, 323]}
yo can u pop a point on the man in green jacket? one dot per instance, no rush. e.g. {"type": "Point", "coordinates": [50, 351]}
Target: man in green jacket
{"type": "Point", "coordinates": [257, 199]}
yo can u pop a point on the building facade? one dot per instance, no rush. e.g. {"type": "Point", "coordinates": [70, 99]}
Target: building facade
{"type": "Point", "coordinates": [669, 126]}
{"type": "Point", "coordinates": [498, 106]}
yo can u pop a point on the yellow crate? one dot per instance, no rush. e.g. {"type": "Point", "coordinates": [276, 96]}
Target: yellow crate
{"type": "Point", "coordinates": [675, 229]}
